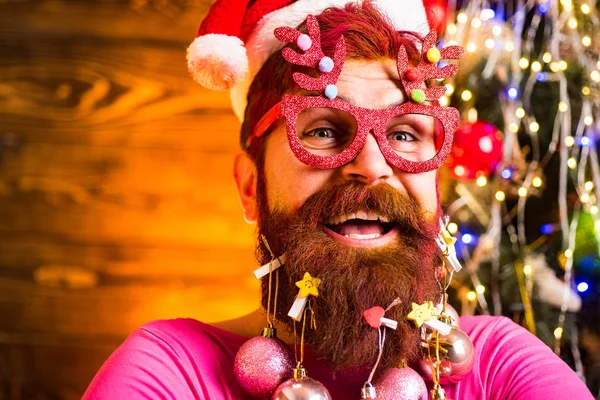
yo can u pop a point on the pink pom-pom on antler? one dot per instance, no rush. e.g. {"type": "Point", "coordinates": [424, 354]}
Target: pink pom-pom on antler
{"type": "Point", "coordinates": [312, 56]}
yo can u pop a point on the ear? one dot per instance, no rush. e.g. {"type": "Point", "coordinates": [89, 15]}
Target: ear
{"type": "Point", "coordinates": [245, 174]}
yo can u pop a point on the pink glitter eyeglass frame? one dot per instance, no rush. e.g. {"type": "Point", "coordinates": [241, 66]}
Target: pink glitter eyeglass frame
{"type": "Point", "coordinates": [368, 120]}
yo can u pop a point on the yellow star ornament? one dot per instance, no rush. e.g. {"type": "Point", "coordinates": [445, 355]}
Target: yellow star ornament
{"type": "Point", "coordinates": [448, 238]}
{"type": "Point", "coordinates": [308, 286]}
{"type": "Point", "coordinates": [421, 313]}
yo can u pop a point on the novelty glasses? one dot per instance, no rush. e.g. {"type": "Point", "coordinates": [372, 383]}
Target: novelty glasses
{"type": "Point", "coordinates": [327, 132]}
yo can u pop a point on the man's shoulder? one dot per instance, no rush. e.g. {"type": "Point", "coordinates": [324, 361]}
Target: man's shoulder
{"type": "Point", "coordinates": [187, 334]}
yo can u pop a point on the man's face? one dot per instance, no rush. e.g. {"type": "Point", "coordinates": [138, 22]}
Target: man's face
{"type": "Point", "coordinates": [289, 182]}
{"type": "Point", "coordinates": [362, 264]}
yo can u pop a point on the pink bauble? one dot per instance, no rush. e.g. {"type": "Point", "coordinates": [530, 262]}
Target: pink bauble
{"type": "Point", "coordinates": [476, 150]}
{"type": "Point", "coordinates": [261, 364]}
{"type": "Point", "coordinates": [401, 384]}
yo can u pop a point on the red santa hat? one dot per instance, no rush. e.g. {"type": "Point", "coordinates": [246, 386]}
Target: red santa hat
{"type": "Point", "coordinates": [236, 38]}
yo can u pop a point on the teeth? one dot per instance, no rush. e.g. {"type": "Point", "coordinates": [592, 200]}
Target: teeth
{"type": "Point", "coordinates": [363, 237]}
{"type": "Point", "coordinates": [361, 214]}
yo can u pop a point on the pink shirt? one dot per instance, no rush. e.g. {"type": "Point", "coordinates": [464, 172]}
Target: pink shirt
{"type": "Point", "coordinates": [186, 359]}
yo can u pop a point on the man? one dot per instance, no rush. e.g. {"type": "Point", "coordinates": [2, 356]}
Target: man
{"type": "Point", "coordinates": [342, 180]}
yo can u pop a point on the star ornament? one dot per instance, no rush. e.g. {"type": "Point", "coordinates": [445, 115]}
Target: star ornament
{"type": "Point", "coordinates": [448, 238]}
{"type": "Point", "coordinates": [308, 286]}
{"type": "Point", "coordinates": [421, 313]}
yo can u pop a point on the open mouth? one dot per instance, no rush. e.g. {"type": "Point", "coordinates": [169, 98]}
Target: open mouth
{"type": "Point", "coordinates": [363, 228]}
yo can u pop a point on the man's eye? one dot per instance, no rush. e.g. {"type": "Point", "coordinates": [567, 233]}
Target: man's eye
{"type": "Point", "coordinates": [322, 133]}
{"type": "Point", "coordinates": [402, 137]}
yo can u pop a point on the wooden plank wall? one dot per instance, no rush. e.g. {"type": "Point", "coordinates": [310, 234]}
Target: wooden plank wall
{"type": "Point", "coordinates": [117, 203]}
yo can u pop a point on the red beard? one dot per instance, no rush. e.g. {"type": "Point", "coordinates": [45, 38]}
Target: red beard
{"type": "Point", "coordinates": [353, 279]}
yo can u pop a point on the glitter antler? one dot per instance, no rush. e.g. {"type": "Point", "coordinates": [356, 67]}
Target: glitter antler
{"type": "Point", "coordinates": [413, 78]}
{"type": "Point", "coordinates": [313, 57]}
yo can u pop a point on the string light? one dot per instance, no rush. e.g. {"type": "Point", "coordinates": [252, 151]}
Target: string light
{"type": "Point", "coordinates": [462, 18]}
{"type": "Point", "coordinates": [568, 253]}
{"type": "Point", "coordinates": [572, 23]}
{"type": "Point", "coordinates": [449, 89]}
{"type": "Point", "coordinates": [562, 106]}
{"type": "Point", "coordinates": [585, 9]}
{"type": "Point", "coordinates": [589, 185]}
{"type": "Point", "coordinates": [520, 113]}
{"type": "Point", "coordinates": [572, 163]}
{"type": "Point", "coordinates": [527, 270]}
{"type": "Point", "coordinates": [490, 43]}
{"type": "Point", "coordinates": [554, 66]}
{"type": "Point", "coordinates": [471, 296]}
{"type": "Point", "coordinates": [522, 191]}
{"type": "Point", "coordinates": [523, 63]}
{"type": "Point", "coordinates": [451, 29]}
{"type": "Point", "coordinates": [497, 30]}
{"type": "Point", "coordinates": [537, 182]}
{"type": "Point", "coordinates": [567, 4]}
{"type": "Point", "coordinates": [472, 115]}
{"type": "Point", "coordinates": [585, 198]}
{"type": "Point", "coordinates": [512, 93]}
{"type": "Point", "coordinates": [594, 210]}
{"type": "Point", "coordinates": [487, 14]}
{"type": "Point", "coordinates": [569, 141]}
{"type": "Point", "coordinates": [595, 75]}
{"type": "Point", "coordinates": [475, 22]}
{"type": "Point", "coordinates": [459, 170]}
{"type": "Point", "coordinates": [452, 228]}
{"type": "Point", "coordinates": [444, 101]}
{"type": "Point", "coordinates": [480, 289]}
{"type": "Point", "coordinates": [471, 47]}
{"type": "Point", "coordinates": [585, 90]}
{"type": "Point", "coordinates": [466, 95]}
{"type": "Point", "coordinates": [467, 238]}
{"type": "Point", "coordinates": [513, 127]}
{"type": "Point", "coordinates": [536, 66]}
{"type": "Point", "coordinates": [534, 127]}
{"type": "Point", "coordinates": [589, 120]}
{"type": "Point", "coordinates": [562, 64]}
{"type": "Point", "coordinates": [481, 181]}
{"type": "Point", "coordinates": [558, 333]}
{"type": "Point", "coordinates": [500, 196]}
{"type": "Point", "coordinates": [547, 57]}
{"type": "Point", "coordinates": [509, 46]}
{"type": "Point", "coordinates": [582, 287]}
{"type": "Point", "coordinates": [586, 41]}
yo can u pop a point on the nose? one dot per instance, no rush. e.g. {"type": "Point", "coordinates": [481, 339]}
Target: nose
{"type": "Point", "coordinates": [370, 166]}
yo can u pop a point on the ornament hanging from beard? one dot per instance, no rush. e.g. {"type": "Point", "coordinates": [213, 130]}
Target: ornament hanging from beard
{"type": "Point", "coordinates": [354, 278]}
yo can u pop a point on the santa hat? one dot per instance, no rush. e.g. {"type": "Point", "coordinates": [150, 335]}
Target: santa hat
{"type": "Point", "coordinates": [236, 38]}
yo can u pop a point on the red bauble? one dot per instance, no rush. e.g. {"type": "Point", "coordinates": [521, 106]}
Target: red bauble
{"type": "Point", "coordinates": [477, 151]}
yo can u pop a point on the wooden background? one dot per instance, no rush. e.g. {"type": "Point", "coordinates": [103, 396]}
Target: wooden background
{"type": "Point", "coordinates": [117, 203]}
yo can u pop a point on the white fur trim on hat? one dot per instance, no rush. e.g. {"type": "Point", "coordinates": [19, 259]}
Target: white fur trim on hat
{"type": "Point", "coordinates": [405, 15]}
{"type": "Point", "coordinates": [217, 61]}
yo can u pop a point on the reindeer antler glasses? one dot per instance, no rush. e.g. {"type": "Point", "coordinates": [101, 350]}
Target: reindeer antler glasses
{"type": "Point", "coordinates": [327, 132]}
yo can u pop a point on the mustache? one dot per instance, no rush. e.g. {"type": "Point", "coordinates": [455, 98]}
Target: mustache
{"type": "Point", "coordinates": [344, 198]}
{"type": "Point", "coordinates": [349, 197]}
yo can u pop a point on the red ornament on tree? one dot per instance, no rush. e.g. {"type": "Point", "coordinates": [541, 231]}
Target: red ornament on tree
{"type": "Point", "coordinates": [477, 151]}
